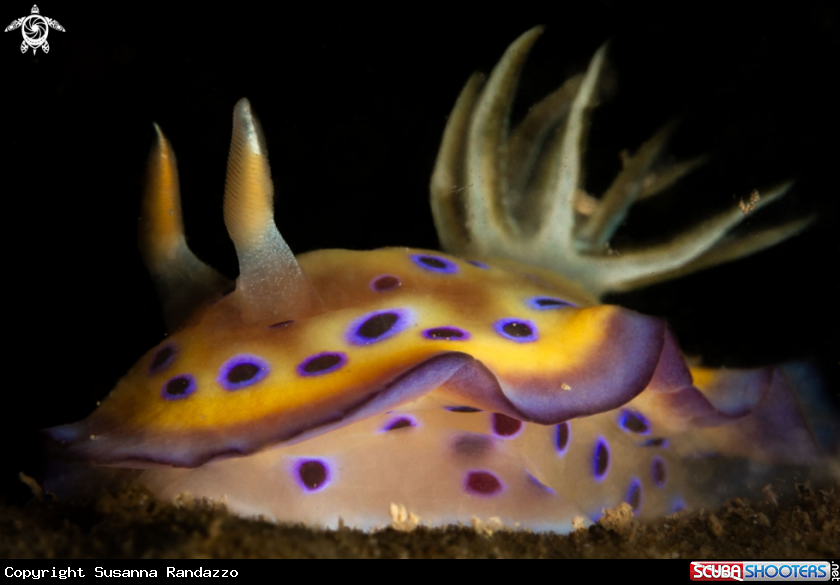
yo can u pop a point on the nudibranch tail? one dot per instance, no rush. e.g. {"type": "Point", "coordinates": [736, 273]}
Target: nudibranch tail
{"type": "Point", "coordinates": [183, 282]}
{"type": "Point", "coordinates": [271, 286]}
{"type": "Point", "coordinates": [522, 196]}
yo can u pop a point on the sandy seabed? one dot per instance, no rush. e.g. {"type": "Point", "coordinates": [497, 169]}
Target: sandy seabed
{"type": "Point", "coordinates": [132, 523]}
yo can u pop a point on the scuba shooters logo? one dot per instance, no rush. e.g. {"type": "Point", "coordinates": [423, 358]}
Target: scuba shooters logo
{"type": "Point", "coordinates": [763, 571]}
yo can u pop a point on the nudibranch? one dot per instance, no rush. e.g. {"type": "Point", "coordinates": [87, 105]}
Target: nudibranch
{"type": "Point", "coordinates": [488, 381]}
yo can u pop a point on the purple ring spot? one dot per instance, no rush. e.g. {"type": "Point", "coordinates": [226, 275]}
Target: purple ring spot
{"type": "Point", "coordinates": [478, 264]}
{"type": "Point", "coordinates": [163, 358]}
{"type": "Point", "coordinates": [601, 459]}
{"type": "Point", "coordinates": [631, 421]}
{"type": "Point", "coordinates": [518, 330]}
{"type": "Point", "coordinates": [378, 326]}
{"type": "Point", "coordinates": [434, 263]}
{"type": "Point", "coordinates": [321, 363]}
{"type": "Point", "coordinates": [505, 426]}
{"type": "Point", "coordinates": [463, 409]}
{"type": "Point", "coordinates": [658, 442]}
{"type": "Point", "coordinates": [312, 475]}
{"type": "Point", "coordinates": [281, 324]}
{"type": "Point", "coordinates": [400, 422]}
{"type": "Point", "coordinates": [547, 303]}
{"type": "Point", "coordinates": [634, 494]}
{"type": "Point", "coordinates": [562, 438]}
{"type": "Point", "coordinates": [385, 283]}
{"type": "Point", "coordinates": [178, 387]}
{"type": "Point", "coordinates": [242, 371]}
{"type": "Point", "coordinates": [447, 333]}
{"type": "Point", "coordinates": [677, 505]}
{"type": "Point", "coordinates": [659, 472]}
{"type": "Point", "coordinates": [482, 483]}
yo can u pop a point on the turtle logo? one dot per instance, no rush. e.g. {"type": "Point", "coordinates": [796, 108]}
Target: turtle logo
{"type": "Point", "coordinates": [35, 29]}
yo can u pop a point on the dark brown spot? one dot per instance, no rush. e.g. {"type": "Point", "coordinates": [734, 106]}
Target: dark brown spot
{"type": "Point", "coordinates": [161, 357]}
{"type": "Point", "coordinates": [517, 329]}
{"type": "Point", "coordinates": [634, 498]}
{"type": "Point", "coordinates": [281, 324]}
{"type": "Point", "coordinates": [444, 333]}
{"type": "Point", "coordinates": [505, 426]}
{"type": "Point", "coordinates": [483, 483]}
{"type": "Point", "coordinates": [659, 472]}
{"type": "Point", "coordinates": [377, 325]}
{"type": "Point", "coordinates": [602, 459]}
{"type": "Point", "coordinates": [433, 262]}
{"type": "Point", "coordinates": [634, 422]}
{"type": "Point", "coordinates": [312, 474]}
{"type": "Point", "coordinates": [561, 439]}
{"type": "Point", "coordinates": [321, 363]}
{"type": "Point", "coordinates": [177, 386]}
{"type": "Point", "coordinates": [242, 373]}
{"type": "Point", "coordinates": [463, 409]}
{"type": "Point", "coordinates": [384, 283]}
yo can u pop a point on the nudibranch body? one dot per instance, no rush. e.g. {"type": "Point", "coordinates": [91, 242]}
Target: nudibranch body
{"type": "Point", "coordinates": [490, 383]}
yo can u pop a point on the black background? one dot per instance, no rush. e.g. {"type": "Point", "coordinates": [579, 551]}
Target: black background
{"type": "Point", "coordinates": [353, 101]}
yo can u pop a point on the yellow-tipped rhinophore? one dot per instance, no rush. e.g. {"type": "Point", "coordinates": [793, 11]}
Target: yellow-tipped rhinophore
{"type": "Point", "coordinates": [182, 281]}
{"type": "Point", "coordinates": [271, 286]}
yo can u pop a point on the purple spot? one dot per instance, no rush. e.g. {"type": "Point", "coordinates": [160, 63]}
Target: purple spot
{"type": "Point", "coordinates": [562, 438]}
{"type": "Point", "coordinates": [402, 422]}
{"type": "Point", "coordinates": [385, 283]}
{"type": "Point", "coordinates": [633, 422]}
{"type": "Point", "coordinates": [162, 359]}
{"type": "Point", "coordinates": [518, 330]}
{"type": "Point", "coordinates": [482, 483]}
{"type": "Point", "coordinates": [505, 426]}
{"type": "Point", "coordinates": [447, 333]}
{"type": "Point", "coordinates": [242, 371]}
{"type": "Point", "coordinates": [677, 505]}
{"type": "Point", "coordinates": [313, 475]}
{"type": "Point", "coordinates": [658, 442]}
{"type": "Point", "coordinates": [601, 459]}
{"type": "Point", "coordinates": [462, 409]}
{"type": "Point", "coordinates": [434, 263]}
{"type": "Point", "coordinates": [547, 303]}
{"type": "Point", "coordinates": [634, 494]}
{"type": "Point", "coordinates": [378, 326]}
{"type": "Point", "coordinates": [281, 324]}
{"type": "Point", "coordinates": [178, 387]}
{"type": "Point", "coordinates": [478, 264]}
{"type": "Point", "coordinates": [321, 363]}
{"type": "Point", "coordinates": [472, 445]}
{"type": "Point", "coordinates": [659, 471]}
